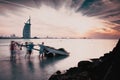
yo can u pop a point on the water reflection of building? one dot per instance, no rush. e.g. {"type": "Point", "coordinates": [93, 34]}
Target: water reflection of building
{"type": "Point", "coordinates": [27, 30]}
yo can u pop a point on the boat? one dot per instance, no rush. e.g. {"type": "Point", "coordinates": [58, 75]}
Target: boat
{"type": "Point", "coordinates": [61, 51]}
{"type": "Point", "coordinates": [50, 51]}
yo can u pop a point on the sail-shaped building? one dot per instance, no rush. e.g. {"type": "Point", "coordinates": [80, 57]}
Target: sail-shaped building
{"type": "Point", "coordinates": [27, 30]}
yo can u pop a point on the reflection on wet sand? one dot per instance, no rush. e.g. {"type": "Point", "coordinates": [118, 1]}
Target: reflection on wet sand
{"type": "Point", "coordinates": [30, 65]}
{"type": "Point", "coordinates": [28, 69]}
{"type": "Point", "coordinates": [44, 62]}
{"type": "Point", "coordinates": [16, 69]}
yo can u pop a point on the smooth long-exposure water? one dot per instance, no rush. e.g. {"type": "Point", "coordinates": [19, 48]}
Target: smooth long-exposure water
{"type": "Point", "coordinates": [35, 69]}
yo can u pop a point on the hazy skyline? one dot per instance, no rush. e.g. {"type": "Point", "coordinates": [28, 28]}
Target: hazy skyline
{"type": "Point", "coordinates": [62, 18]}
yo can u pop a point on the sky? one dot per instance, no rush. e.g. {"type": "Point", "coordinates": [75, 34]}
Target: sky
{"type": "Point", "coordinates": [61, 18]}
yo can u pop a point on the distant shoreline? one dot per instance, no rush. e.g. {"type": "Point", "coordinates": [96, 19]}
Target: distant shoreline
{"type": "Point", "coordinates": [56, 38]}
{"type": "Point", "coordinates": [19, 38]}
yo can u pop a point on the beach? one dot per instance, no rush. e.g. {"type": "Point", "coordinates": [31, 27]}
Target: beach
{"type": "Point", "coordinates": [35, 69]}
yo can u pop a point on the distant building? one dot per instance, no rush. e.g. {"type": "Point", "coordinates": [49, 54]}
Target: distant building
{"type": "Point", "coordinates": [13, 36]}
{"type": "Point", "coordinates": [27, 30]}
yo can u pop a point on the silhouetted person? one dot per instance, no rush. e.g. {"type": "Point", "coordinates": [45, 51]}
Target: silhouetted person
{"type": "Point", "coordinates": [27, 49]}
{"type": "Point", "coordinates": [12, 51]}
{"type": "Point", "coordinates": [18, 48]}
{"type": "Point", "coordinates": [30, 48]}
{"type": "Point", "coordinates": [41, 52]}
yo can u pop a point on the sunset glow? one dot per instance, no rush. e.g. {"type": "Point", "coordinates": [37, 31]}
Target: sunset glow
{"type": "Point", "coordinates": [60, 22]}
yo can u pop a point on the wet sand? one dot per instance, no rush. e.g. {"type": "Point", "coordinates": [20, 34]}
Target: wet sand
{"type": "Point", "coordinates": [25, 69]}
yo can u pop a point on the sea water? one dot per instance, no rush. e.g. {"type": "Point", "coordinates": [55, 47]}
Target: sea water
{"type": "Point", "coordinates": [35, 69]}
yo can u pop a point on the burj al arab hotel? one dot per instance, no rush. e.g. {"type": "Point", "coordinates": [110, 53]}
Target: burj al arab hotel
{"type": "Point", "coordinates": [27, 30]}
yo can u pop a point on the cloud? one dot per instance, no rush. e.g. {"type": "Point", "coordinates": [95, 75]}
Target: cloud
{"type": "Point", "coordinates": [105, 35]}
{"type": "Point", "coordinates": [117, 28]}
{"type": "Point", "coordinates": [109, 33]}
{"type": "Point", "coordinates": [100, 8]}
{"type": "Point", "coordinates": [88, 7]}
{"type": "Point", "coordinates": [116, 21]}
{"type": "Point", "coordinates": [64, 13]}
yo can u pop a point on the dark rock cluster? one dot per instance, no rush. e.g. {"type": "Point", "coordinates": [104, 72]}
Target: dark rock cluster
{"type": "Point", "coordinates": [106, 67]}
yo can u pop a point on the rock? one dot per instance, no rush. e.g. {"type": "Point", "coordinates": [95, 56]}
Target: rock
{"type": "Point", "coordinates": [106, 67]}
{"type": "Point", "coordinates": [85, 65]}
{"type": "Point", "coordinates": [113, 72]}
{"type": "Point", "coordinates": [58, 72]}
